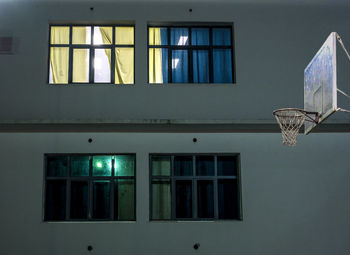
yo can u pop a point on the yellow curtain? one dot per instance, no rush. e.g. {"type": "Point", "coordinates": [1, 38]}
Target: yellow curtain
{"type": "Point", "coordinates": [106, 33]}
{"type": "Point", "coordinates": [155, 57]}
{"type": "Point", "coordinates": [124, 35]}
{"type": "Point", "coordinates": [124, 65]}
{"type": "Point", "coordinates": [59, 55]}
{"type": "Point", "coordinates": [80, 56]}
{"type": "Point", "coordinates": [59, 64]}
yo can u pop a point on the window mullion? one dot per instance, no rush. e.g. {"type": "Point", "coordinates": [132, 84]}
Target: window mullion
{"type": "Point", "coordinates": [170, 58]}
{"type": "Point", "coordinates": [113, 60]}
{"type": "Point", "coordinates": [112, 202]}
{"type": "Point", "coordinates": [90, 187]}
{"type": "Point", "coordinates": [92, 57]}
{"type": "Point", "coordinates": [70, 58]}
{"type": "Point", "coordinates": [211, 71]}
{"type": "Point", "coordinates": [68, 190]}
{"type": "Point", "coordinates": [190, 56]}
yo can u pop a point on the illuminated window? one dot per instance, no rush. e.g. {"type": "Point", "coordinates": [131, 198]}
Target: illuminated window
{"type": "Point", "coordinates": [89, 187]}
{"type": "Point", "coordinates": [190, 54]}
{"type": "Point", "coordinates": [195, 187]}
{"type": "Point", "coordinates": [83, 54]}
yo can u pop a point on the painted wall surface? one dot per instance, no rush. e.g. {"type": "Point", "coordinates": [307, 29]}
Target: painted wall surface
{"type": "Point", "coordinates": [295, 200]}
{"type": "Point", "coordinates": [273, 45]}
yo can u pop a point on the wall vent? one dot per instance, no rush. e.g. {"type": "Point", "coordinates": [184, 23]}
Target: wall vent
{"type": "Point", "coordinates": [6, 45]}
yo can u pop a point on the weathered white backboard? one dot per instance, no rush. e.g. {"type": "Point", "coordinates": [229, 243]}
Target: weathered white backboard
{"type": "Point", "coordinates": [320, 82]}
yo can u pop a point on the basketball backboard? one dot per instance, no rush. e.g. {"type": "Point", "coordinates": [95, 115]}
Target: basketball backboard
{"type": "Point", "coordinates": [320, 82]}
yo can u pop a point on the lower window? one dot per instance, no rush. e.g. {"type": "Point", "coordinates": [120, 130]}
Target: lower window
{"type": "Point", "coordinates": [87, 187]}
{"type": "Point", "coordinates": [195, 187]}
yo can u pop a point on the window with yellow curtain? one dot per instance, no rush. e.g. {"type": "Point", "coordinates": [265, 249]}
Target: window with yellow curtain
{"type": "Point", "coordinates": [88, 54]}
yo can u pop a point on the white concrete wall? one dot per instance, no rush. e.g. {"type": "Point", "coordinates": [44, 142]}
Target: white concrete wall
{"type": "Point", "coordinates": [295, 200]}
{"type": "Point", "coordinates": [273, 45]}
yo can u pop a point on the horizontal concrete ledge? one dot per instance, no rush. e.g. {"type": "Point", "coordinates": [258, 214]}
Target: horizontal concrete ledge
{"type": "Point", "coordinates": [161, 127]}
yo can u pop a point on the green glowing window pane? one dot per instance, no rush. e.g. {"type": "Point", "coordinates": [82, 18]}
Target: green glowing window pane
{"type": "Point", "coordinates": [57, 166]}
{"type": "Point", "coordinates": [124, 208]}
{"type": "Point", "coordinates": [161, 165]}
{"type": "Point", "coordinates": [124, 165]}
{"type": "Point", "coordinates": [161, 199]}
{"type": "Point", "coordinates": [102, 165]}
{"type": "Point", "coordinates": [80, 166]}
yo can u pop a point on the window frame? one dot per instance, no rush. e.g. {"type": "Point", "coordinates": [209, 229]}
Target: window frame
{"type": "Point", "coordinates": [91, 48]}
{"type": "Point", "coordinates": [195, 178]}
{"type": "Point", "coordinates": [191, 47]}
{"type": "Point", "coordinates": [90, 179]}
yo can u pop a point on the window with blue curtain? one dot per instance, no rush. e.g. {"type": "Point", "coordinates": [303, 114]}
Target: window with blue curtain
{"type": "Point", "coordinates": [190, 54]}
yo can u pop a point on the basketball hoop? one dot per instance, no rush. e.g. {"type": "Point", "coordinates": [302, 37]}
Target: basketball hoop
{"type": "Point", "coordinates": [290, 121]}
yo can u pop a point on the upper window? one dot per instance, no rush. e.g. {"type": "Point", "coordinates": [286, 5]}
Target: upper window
{"type": "Point", "coordinates": [190, 54]}
{"type": "Point", "coordinates": [195, 187]}
{"type": "Point", "coordinates": [89, 187]}
{"type": "Point", "coordinates": [91, 54]}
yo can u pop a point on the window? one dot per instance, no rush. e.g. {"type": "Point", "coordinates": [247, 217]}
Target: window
{"type": "Point", "coordinates": [86, 187]}
{"type": "Point", "coordinates": [91, 54]}
{"type": "Point", "coordinates": [190, 54]}
{"type": "Point", "coordinates": [195, 187]}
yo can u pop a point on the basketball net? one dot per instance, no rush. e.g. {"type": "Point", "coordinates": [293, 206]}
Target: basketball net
{"type": "Point", "coordinates": [290, 121]}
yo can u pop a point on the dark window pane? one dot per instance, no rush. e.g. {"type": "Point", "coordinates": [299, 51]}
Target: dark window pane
{"type": "Point", "coordinates": [205, 194]}
{"type": "Point", "coordinates": [228, 199]}
{"type": "Point", "coordinates": [79, 200]}
{"type": "Point", "coordinates": [205, 165]}
{"type": "Point", "coordinates": [179, 36]}
{"type": "Point", "coordinates": [183, 199]}
{"type": "Point", "coordinates": [221, 36]}
{"type": "Point", "coordinates": [101, 198]}
{"type": "Point", "coordinates": [222, 66]}
{"type": "Point", "coordinates": [124, 206]}
{"type": "Point", "coordinates": [80, 166]}
{"type": "Point", "coordinates": [57, 166]}
{"type": "Point", "coordinates": [55, 204]}
{"type": "Point", "coordinates": [200, 36]}
{"type": "Point", "coordinates": [227, 165]}
{"type": "Point", "coordinates": [179, 66]}
{"type": "Point", "coordinates": [183, 165]}
{"type": "Point", "coordinates": [124, 165]}
{"type": "Point", "coordinates": [101, 166]}
{"type": "Point", "coordinates": [161, 165]}
{"type": "Point", "coordinates": [161, 199]}
{"type": "Point", "coordinates": [200, 66]}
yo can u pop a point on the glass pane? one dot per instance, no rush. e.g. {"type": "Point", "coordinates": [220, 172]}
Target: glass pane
{"type": "Point", "coordinates": [79, 166]}
{"type": "Point", "coordinates": [124, 35]}
{"type": "Point", "coordinates": [228, 199]}
{"type": "Point", "coordinates": [205, 165]}
{"type": "Point", "coordinates": [57, 166]}
{"type": "Point", "coordinates": [59, 35]}
{"type": "Point", "coordinates": [55, 203]}
{"type": "Point", "coordinates": [222, 66]}
{"type": "Point", "coordinates": [179, 36]}
{"type": "Point", "coordinates": [183, 165]}
{"type": "Point", "coordinates": [81, 35]}
{"type": "Point", "coordinates": [161, 165]}
{"type": "Point", "coordinates": [183, 199]}
{"type": "Point", "coordinates": [124, 165]}
{"type": "Point", "coordinates": [124, 65]}
{"type": "Point", "coordinates": [102, 65]}
{"type": "Point", "coordinates": [227, 165]}
{"type": "Point", "coordinates": [79, 200]}
{"type": "Point", "coordinates": [101, 198]}
{"type": "Point", "coordinates": [200, 66]}
{"type": "Point", "coordinates": [161, 199]}
{"type": "Point", "coordinates": [158, 65]}
{"type": "Point", "coordinates": [158, 36]}
{"type": "Point", "coordinates": [59, 65]}
{"type": "Point", "coordinates": [205, 193]}
{"type": "Point", "coordinates": [124, 207]}
{"type": "Point", "coordinates": [200, 36]}
{"type": "Point", "coordinates": [81, 65]}
{"type": "Point", "coordinates": [101, 165]}
{"type": "Point", "coordinates": [221, 36]}
{"type": "Point", "coordinates": [102, 35]}
{"type": "Point", "coordinates": [179, 65]}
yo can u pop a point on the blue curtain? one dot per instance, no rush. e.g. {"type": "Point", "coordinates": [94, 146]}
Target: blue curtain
{"type": "Point", "coordinates": [200, 36]}
{"type": "Point", "coordinates": [221, 36]}
{"type": "Point", "coordinates": [180, 66]}
{"type": "Point", "coordinates": [200, 66]}
{"type": "Point", "coordinates": [222, 66]}
{"type": "Point", "coordinates": [179, 36]}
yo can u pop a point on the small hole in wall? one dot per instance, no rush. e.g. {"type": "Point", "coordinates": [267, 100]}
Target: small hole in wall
{"type": "Point", "coordinates": [90, 140]}
{"type": "Point", "coordinates": [194, 140]}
